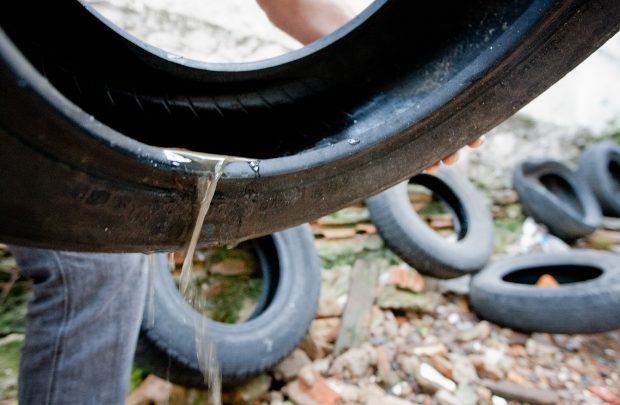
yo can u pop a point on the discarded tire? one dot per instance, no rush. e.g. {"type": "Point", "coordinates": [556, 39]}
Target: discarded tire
{"type": "Point", "coordinates": [554, 195]}
{"type": "Point", "coordinates": [167, 348]}
{"type": "Point", "coordinates": [586, 301]}
{"type": "Point", "coordinates": [406, 233]}
{"type": "Point", "coordinates": [343, 118]}
{"type": "Point", "coordinates": [599, 164]}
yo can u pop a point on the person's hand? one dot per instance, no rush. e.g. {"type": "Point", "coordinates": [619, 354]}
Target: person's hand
{"type": "Point", "coordinates": [309, 20]}
{"type": "Point", "coordinates": [453, 158]}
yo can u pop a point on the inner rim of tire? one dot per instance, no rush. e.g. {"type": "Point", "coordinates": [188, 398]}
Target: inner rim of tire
{"type": "Point", "coordinates": [445, 194]}
{"type": "Point", "coordinates": [563, 274]}
{"type": "Point", "coordinates": [265, 255]}
{"type": "Point", "coordinates": [614, 172]}
{"type": "Point", "coordinates": [558, 186]}
{"type": "Point", "coordinates": [248, 112]}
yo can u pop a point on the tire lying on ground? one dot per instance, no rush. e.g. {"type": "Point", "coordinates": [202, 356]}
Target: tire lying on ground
{"type": "Point", "coordinates": [599, 164]}
{"type": "Point", "coordinates": [554, 195]}
{"type": "Point", "coordinates": [587, 299]}
{"type": "Point", "coordinates": [291, 284]}
{"type": "Point", "coordinates": [408, 235]}
{"type": "Point", "coordinates": [332, 123]}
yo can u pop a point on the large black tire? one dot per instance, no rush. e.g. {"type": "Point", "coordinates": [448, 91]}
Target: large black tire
{"type": "Point", "coordinates": [599, 164]}
{"type": "Point", "coordinates": [406, 233]}
{"type": "Point", "coordinates": [399, 87]}
{"type": "Point", "coordinates": [167, 347]}
{"type": "Point", "coordinates": [558, 197]}
{"type": "Point", "coordinates": [586, 301]}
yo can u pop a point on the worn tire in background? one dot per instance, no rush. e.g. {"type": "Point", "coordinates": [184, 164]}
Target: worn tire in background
{"type": "Point", "coordinates": [167, 347]}
{"type": "Point", "coordinates": [599, 164]}
{"type": "Point", "coordinates": [558, 197]}
{"type": "Point", "coordinates": [324, 126]}
{"type": "Point", "coordinates": [406, 233]}
{"type": "Point", "coordinates": [505, 292]}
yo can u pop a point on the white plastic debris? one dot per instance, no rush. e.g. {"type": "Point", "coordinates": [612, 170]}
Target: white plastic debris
{"type": "Point", "coordinates": [535, 239]}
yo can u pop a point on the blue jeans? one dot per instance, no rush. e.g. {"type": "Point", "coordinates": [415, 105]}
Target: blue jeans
{"type": "Point", "coordinates": [82, 325]}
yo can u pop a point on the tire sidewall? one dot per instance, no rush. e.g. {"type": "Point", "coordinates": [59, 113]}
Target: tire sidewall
{"type": "Point", "coordinates": [582, 307]}
{"type": "Point", "coordinates": [594, 169]}
{"type": "Point", "coordinates": [432, 251]}
{"type": "Point", "coordinates": [247, 348]}
{"type": "Point", "coordinates": [548, 208]}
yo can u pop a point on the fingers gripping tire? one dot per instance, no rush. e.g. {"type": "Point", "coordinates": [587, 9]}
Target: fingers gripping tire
{"type": "Point", "coordinates": [586, 301]}
{"type": "Point", "coordinates": [167, 348]}
{"type": "Point", "coordinates": [599, 164]}
{"type": "Point", "coordinates": [417, 244]}
{"type": "Point", "coordinates": [554, 195]}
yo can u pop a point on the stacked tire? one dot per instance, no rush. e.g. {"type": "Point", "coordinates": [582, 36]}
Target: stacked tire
{"type": "Point", "coordinates": [406, 233]}
{"type": "Point", "coordinates": [585, 293]}
{"type": "Point", "coordinates": [288, 303]}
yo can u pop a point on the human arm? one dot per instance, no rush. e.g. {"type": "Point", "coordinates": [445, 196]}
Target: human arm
{"type": "Point", "coordinates": [306, 20]}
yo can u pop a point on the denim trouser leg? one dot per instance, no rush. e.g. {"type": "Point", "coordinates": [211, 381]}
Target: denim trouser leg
{"type": "Point", "coordinates": [82, 325]}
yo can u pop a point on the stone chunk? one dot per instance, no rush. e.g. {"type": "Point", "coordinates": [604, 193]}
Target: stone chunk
{"type": "Point", "coordinates": [353, 363]}
{"type": "Point", "coordinates": [311, 389]}
{"type": "Point", "coordinates": [432, 381]}
{"type": "Point", "coordinates": [403, 277]}
{"type": "Point", "coordinates": [290, 367]}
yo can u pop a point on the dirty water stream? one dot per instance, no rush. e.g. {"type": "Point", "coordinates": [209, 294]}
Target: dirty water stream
{"type": "Point", "coordinates": [205, 348]}
{"type": "Point", "coordinates": [213, 167]}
